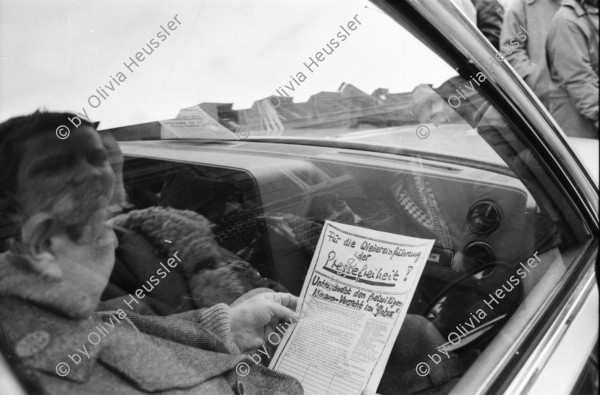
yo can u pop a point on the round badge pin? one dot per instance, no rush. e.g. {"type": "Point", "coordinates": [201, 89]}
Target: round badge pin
{"type": "Point", "coordinates": [32, 343]}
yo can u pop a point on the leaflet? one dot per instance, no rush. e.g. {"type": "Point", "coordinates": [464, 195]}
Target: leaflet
{"type": "Point", "coordinates": [353, 303]}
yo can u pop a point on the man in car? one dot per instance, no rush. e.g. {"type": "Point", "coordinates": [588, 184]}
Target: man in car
{"type": "Point", "coordinates": [53, 275]}
{"type": "Point", "coordinates": [52, 278]}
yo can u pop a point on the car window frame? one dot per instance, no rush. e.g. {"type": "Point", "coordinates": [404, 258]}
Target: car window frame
{"type": "Point", "coordinates": [438, 24]}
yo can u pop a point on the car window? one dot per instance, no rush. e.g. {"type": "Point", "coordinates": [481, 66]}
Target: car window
{"type": "Point", "coordinates": [252, 123]}
{"type": "Point", "coordinates": [430, 158]}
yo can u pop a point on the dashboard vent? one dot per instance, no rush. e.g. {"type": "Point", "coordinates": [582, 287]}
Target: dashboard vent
{"type": "Point", "coordinates": [489, 176]}
{"type": "Point", "coordinates": [478, 175]}
{"type": "Point", "coordinates": [397, 158]}
{"type": "Point", "coordinates": [501, 179]}
{"type": "Point", "coordinates": [484, 217]}
{"type": "Point", "coordinates": [478, 254]}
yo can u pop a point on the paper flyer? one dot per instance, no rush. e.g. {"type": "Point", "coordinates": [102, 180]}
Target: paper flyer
{"type": "Point", "coordinates": [352, 305]}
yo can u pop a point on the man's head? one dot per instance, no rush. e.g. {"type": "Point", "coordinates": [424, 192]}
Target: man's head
{"type": "Point", "coordinates": [71, 179]}
{"type": "Point", "coordinates": [58, 190]}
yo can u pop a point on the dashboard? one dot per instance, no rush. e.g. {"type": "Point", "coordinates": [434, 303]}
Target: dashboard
{"type": "Point", "coordinates": [482, 212]}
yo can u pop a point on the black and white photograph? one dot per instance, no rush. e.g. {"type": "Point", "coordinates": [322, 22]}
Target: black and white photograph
{"type": "Point", "coordinates": [288, 197]}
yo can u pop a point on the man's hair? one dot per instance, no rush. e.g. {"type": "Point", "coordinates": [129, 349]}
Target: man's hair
{"type": "Point", "coordinates": [13, 135]}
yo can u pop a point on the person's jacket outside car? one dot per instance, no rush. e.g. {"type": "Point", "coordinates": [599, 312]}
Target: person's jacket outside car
{"type": "Point", "coordinates": [572, 54]}
{"type": "Point", "coordinates": [523, 42]}
{"type": "Point", "coordinates": [489, 19]}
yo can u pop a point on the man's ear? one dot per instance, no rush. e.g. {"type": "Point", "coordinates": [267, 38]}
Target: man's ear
{"type": "Point", "coordinates": [36, 237]}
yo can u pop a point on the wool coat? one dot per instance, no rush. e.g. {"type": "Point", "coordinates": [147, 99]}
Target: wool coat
{"type": "Point", "coordinates": [51, 328]}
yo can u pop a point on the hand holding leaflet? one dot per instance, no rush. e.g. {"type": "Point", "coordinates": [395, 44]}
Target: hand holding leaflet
{"type": "Point", "coordinates": [359, 286]}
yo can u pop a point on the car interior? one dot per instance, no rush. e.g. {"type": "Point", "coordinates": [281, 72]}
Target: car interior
{"type": "Point", "coordinates": [271, 216]}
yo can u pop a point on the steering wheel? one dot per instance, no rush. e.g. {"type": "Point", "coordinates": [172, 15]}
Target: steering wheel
{"type": "Point", "coordinates": [469, 312]}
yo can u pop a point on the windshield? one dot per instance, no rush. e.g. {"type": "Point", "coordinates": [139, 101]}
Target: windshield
{"type": "Point", "coordinates": [350, 74]}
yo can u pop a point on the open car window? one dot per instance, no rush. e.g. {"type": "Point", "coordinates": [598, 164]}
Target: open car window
{"type": "Point", "coordinates": [253, 123]}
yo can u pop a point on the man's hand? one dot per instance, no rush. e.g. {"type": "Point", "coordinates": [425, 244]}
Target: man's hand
{"type": "Point", "coordinates": [249, 318]}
